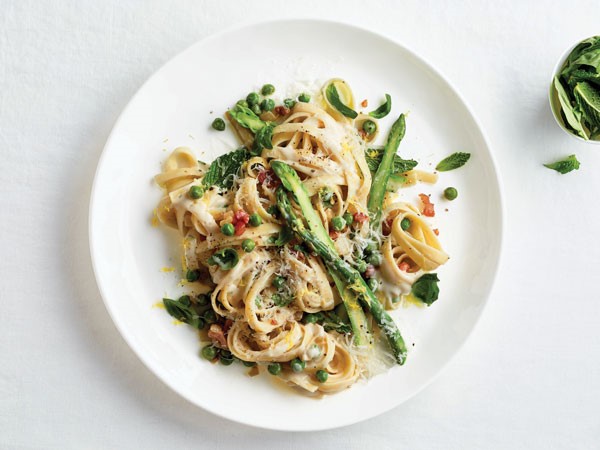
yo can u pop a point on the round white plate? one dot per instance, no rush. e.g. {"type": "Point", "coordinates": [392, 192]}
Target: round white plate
{"type": "Point", "coordinates": [176, 106]}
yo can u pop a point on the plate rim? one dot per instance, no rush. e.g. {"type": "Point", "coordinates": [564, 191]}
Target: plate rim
{"type": "Point", "coordinates": [92, 229]}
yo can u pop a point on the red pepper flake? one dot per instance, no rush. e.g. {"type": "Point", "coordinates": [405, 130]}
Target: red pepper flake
{"type": "Point", "coordinates": [282, 111]}
{"type": "Point", "coordinates": [404, 266]}
{"type": "Point", "coordinates": [273, 322]}
{"type": "Point", "coordinates": [360, 217]}
{"type": "Point", "coordinates": [334, 234]}
{"type": "Point", "coordinates": [364, 103]}
{"type": "Point", "coordinates": [436, 231]}
{"type": "Point", "coordinates": [363, 134]}
{"type": "Point", "coordinates": [428, 209]}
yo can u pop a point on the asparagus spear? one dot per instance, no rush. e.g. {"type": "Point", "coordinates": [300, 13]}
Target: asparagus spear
{"type": "Point", "coordinates": [351, 276]}
{"type": "Point", "coordinates": [290, 180]}
{"type": "Point", "coordinates": [380, 180]}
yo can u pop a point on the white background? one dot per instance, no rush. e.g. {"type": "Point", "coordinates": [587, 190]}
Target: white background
{"type": "Point", "coordinates": [528, 378]}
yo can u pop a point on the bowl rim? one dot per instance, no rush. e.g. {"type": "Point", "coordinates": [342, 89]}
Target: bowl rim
{"type": "Point", "coordinates": [551, 94]}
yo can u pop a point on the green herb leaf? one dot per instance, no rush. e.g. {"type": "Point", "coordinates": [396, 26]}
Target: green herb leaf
{"type": "Point", "coordinates": [282, 299]}
{"type": "Point", "coordinates": [384, 109]}
{"type": "Point", "coordinates": [333, 97]}
{"type": "Point", "coordinates": [226, 258]}
{"type": "Point", "coordinates": [374, 156]}
{"type": "Point", "coordinates": [285, 235]}
{"type": "Point", "coordinates": [183, 311]}
{"type": "Point", "coordinates": [330, 321]}
{"type": "Point", "coordinates": [225, 168]}
{"type": "Point", "coordinates": [246, 118]}
{"type": "Point", "coordinates": [588, 99]}
{"type": "Point", "coordinates": [564, 166]}
{"type": "Point", "coordinates": [454, 161]}
{"type": "Point", "coordinates": [426, 288]}
{"type": "Point", "coordinates": [572, 117]}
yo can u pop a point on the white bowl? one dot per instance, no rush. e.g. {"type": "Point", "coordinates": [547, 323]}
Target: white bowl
{"type": "Point", "coordinates": [553, 99]}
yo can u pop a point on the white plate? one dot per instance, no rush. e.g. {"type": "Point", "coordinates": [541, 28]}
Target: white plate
{"type": "Point", "coordinates": [177, 104]}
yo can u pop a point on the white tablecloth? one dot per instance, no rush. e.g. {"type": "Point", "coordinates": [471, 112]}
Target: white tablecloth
{"type": "Point", "coordinates": [528, 378]}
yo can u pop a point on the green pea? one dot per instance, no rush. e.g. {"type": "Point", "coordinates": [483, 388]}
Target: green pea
{"type": "Point", "coordinates": [192, 275]}
{"type": "Point", "coordinates": [361, 265]}
{"type": "Point", "coordinates": [218, 124]}
{"type": "Point", "coordinates": [225, 361]}
{"type": "Point", "coordinates": [375, 259]}
{"type": "Point", "coordinates": [267, 105]}
{"type": "Point", "coordinates": [278, 282]}
{"type": "Point", "coordinates": [297, 365]}
{"type": "Point", "coordinates": [185, 300]}
{"type": "Point", "coordinates": [243, 103]}
{"type": "Point", "coordinates": [256, 109]}
{"type": "Point", "coordinates": [210, 316]}
{"type": "Point", "coordinates": [373, 284]}
{"type": "Point", "coordinates": [304, 97]}
{"type": "Point", "coordinates": [450, 193]}
{"type": "Point", "coordinates": [338, 223]}
{"type": "Point", "coordinates": [267, 89]}
{"type": "Point", "coordinates": [228, 229]}
{"type": "Point", "coordinates": [310, 318]}
{"type": "Point", "coordinates": [274, 368]}
{"type": "Point", "coordinates": [289, 103]}
{"type": "Point", "coordinates": [405, 223]}
{"type": "Point", "coordinates": [248, 245]}
{"type": "Point", "coordinates": [322, 376]}
{"type": "Point", "coordinates": [255, 220]}
{"type": "Point", "coordinates": [349, 218]}
{"type": "Point", "coordinates": [200, 324]}
{"type": "Point", "coordinates": [203, 299]}
{"type": "Point", "coordinates": [371, 247]}
{"type": "Point", "coordinates": [252, 99]}
{"type": "Point", "coordinates": [249, 363]}
{"type": "Point", "coordinates": [209, 352]}
{"type": "Point", "coordinates": [396, 299]}
{"type": "Point", "coordinates": [196, 192]}
{"type": "Point", "coordinates": [369, 127]}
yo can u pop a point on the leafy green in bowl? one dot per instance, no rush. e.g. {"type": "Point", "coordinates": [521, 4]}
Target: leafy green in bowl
{"type": "Point", "coordinates": [575, 90]}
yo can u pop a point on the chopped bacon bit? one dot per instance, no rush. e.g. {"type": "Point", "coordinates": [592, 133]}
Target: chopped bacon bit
{"type": "Point", "coordinates": [404, 266]}
{"type": "Point", "coordinates": [282, 111]}
{"type": "Point", "coordinates": [240, 227]}
{"type": "Point", "coordinates": [360, 217]}
{"type": "Point", "coordinates": [436, 231]}
{"type": "Point", "coordinates": [269, 176]}
{"type": "Point", "coordinates": [386, 226]}
{"type": "Point", "coordinates": [227, 325]}
{"type": "Point", "coordinates": [363, 134]}
{"type": "Point", "coordinates": [370, 272]}
{"type": "Point", "coordinates": [334, 234]}
{"type": "Point", "coordinates": [273, 322]}
{"type": "Point", "coordinates": [427, 206]}
{"type": "Point", "coordinates": [241, 216]}
{"type": "Point", "coordinates": [364, 103]}
{"type": "Point", "coordinates": [216, 335]}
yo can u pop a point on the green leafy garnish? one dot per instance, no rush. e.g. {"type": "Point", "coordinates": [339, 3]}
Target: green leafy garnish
{"type": "Point", "coordinates": [426, 288]}
{"type": "Point", "coordinates": [184, 311]}
{"type": "Point", "coordinates": [454, 161]}
{"type": "Point", "coordinates": [282, 299]}
{"type": "Point", "coordinates": [384, 109]}
{"type": "Point", "coordinates": [285, 235]}
{"type": "Point", "coordinates": [576, 90]}
{"type": "Point", "coordinates": [330, 321]}
{"type": "Point", "coordinates": [564, 166]}
{"type": "Point", "coordinates": [333, 97]}
{"type": "Point", "coordinates": [225, 168]}
{"type": "Point", "coordinates": [226, 258]}
{"type": "Point", "coordinates": [374, 155]}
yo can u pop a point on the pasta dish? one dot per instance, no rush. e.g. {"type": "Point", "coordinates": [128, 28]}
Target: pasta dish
{"type": "Point", "coordinates": [297, 244]}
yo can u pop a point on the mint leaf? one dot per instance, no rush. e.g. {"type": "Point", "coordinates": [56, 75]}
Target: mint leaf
{"type": "Point", "coordinates": [225, 168]}
{"type": "Point", "coordinates": [565, 166]}
{"type": "Point", "coordinates": [333, 96]}
{"type": "Point", "coordinates": [426, 288]}
{"type": "Point", "coordinates": [384, 109]}
{"type": "Point", "coordinates": [454, 161]}
{"type": "Point", "coordinates": [373, 157]}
